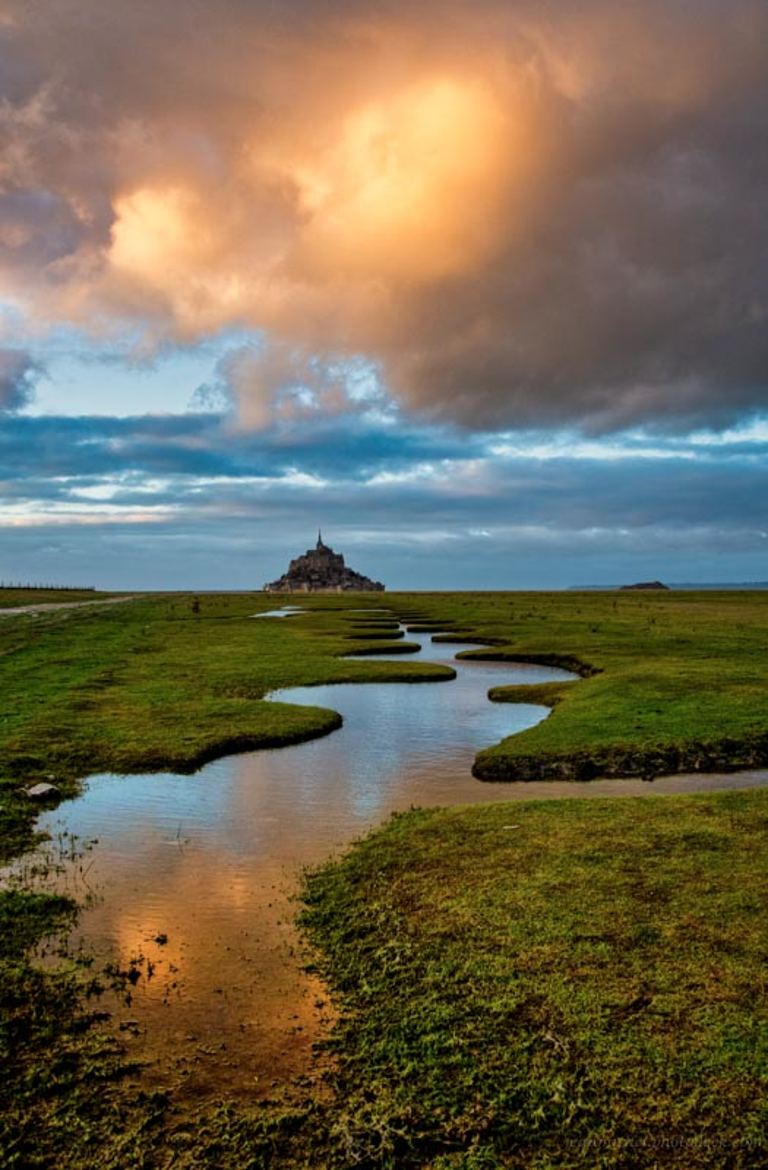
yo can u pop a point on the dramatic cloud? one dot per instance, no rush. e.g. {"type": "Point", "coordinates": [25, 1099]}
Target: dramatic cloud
{"type": "Point", "coordinates": [516, 213]}
{"type": "Point", "coordinates": [18, 374]}
{"type": "Point", "coordinates": [393, 489]}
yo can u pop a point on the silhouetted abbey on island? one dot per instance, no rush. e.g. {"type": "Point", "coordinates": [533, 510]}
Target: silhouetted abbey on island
{"type": "Point", "coordinates": [321, 570]}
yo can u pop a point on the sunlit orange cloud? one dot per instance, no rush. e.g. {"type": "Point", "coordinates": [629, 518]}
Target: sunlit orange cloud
{"type": "Point", "coordinates": [165, 240]}
{"type": "Point", "coordinates": [518, 212]}
{"type": "Point", "coordinates": [405, 188]}
{"type": "Point", "coordinates": [409, 186]}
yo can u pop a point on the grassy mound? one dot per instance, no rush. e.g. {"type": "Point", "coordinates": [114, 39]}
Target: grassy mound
{"type": "Point", "coordinates": [670, 681]}
{"type": "Point", "coordinates": [563, 983]}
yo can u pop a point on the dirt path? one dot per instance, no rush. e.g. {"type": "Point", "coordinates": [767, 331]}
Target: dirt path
{"type": "Point", "coordinates": [45, 606]}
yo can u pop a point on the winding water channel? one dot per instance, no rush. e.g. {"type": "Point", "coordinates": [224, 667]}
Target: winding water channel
{"type": "Point", "coordinates": [190, 885]}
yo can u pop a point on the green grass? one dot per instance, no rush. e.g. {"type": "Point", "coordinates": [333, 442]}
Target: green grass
{"type": "Point", "coordinates": [66, 1094]}
{"type": "Point", "coordinates": [153, 684]}
{"type": "Point", "coordinates": [163, 682]}
{"type": "Point", "coordinates": [584, 991]}
{"type": "Point", "coordinates": [672, 682]}
{"type": "Point", "coordinates": [570, 984]}
{"type": "Point", "coordinates": [563, 984]}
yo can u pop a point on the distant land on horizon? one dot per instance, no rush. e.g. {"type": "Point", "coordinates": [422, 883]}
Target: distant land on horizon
{"type": "Point", "coordinates": [679, 585]}
{"type": "Point", "coordinates": [673, 585]}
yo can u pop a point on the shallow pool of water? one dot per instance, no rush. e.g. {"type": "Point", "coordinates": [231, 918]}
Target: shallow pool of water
{"type": "Point", "coordinates": [285, 611]}
{"type": "Point", "coordinates": [193, 876]}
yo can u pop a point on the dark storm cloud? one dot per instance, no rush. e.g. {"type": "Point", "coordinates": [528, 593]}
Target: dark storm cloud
{"type": "Point", "coordinates": [204, 445]}
{"type": "Point", "coordinates": [19, 373]}
{"type": "Point", "coordinates": [522, 213]}
{"type": "Point", "coordinates": [387, 480]}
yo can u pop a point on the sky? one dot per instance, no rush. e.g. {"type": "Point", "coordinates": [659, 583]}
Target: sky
{"type": "Point", "coordinates": [481, 289]}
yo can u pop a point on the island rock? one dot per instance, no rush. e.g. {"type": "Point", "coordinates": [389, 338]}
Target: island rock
{"type": "Point", "coordinates": [321, 570]}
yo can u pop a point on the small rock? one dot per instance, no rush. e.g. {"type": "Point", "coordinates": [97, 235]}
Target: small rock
{"type": "Point", "coordinates": [41, 791]}
{"type": "Point", "coordinates": [161, 939]}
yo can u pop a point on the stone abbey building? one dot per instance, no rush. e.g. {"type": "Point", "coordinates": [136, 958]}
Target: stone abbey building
{"type": "Point", "coordinates": [321, 570]}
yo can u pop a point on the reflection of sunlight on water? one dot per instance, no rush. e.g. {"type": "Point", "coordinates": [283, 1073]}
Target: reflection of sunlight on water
{"type": "Point", "coordinates": [208, 863]}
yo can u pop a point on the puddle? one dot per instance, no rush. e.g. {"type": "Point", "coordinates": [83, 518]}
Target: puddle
{"type": "Point", "coordinates": [286, 611]}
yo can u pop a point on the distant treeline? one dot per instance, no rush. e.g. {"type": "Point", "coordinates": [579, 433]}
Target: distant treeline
{"type": "Point", "coordinates": [51, 588]}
